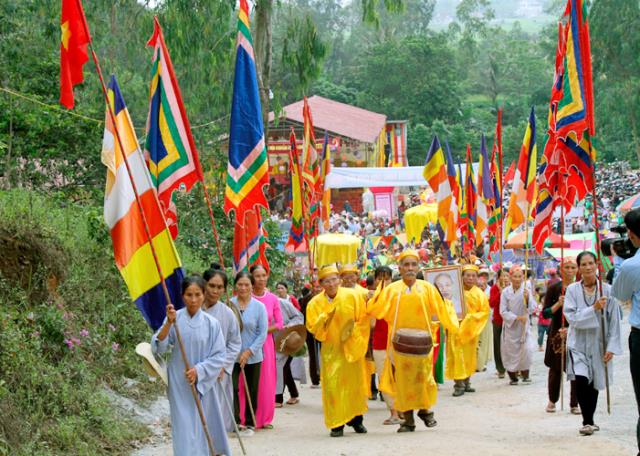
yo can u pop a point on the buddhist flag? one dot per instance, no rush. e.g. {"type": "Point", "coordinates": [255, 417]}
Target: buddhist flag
{"type": "Point", "coordinates": [248, 168]}
{"type": "Point", "coordinates": [296, 232]}
{"type": "Point", "coordinates": [436, 174]}
{"type": "Point", "coordinates": [170, 150]}
{"type": "Point", "coordinates": [454, 183]}
{"type": "Point", "coordinates": [125, 218]}
{"type": "Point", "coordinates": [485, 194]}
{"type": "Point", "coordinates": [523, 194]}
{"type": "Point", "coordinates": [73, 49]}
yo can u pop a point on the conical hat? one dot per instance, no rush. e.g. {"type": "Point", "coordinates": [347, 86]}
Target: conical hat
{"type": "Point", "coordinates": [151, 364]}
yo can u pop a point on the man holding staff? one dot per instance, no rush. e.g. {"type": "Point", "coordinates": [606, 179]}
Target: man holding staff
{"type": "Point", "coordinates": [408, 306]}
{"type": "Point", "coordinates": [516, 306]}
{"type": "Point", "coordinates": [337, 317]}
{"type": "Point", "coordinates": [462, 348]}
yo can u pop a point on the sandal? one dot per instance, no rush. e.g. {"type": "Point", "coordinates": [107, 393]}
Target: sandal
{"type": "Point", "coordinates": [392, 420]}
{"type": "Point", "coordinates": [279, 404]}
{"type": "Point", "coordinates": [293, 401]}
{"type": "Point", "coordinates": [267, 426]}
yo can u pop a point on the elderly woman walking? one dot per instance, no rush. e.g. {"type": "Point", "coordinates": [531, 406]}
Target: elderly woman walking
{"type": "Point", "coordinates": [585, 306]}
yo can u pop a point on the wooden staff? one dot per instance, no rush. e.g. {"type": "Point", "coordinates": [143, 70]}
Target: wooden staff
{"type": "Point", "coordinates": [145, 222]}
{"type": "Point", "coordinates": [248, 395]}
{"type": "Point", "coordinates": [564, 339]}
{"type": "Point", "coordinates": [600, 272]}
{"type": "Point", "coordinates": [235, 425]}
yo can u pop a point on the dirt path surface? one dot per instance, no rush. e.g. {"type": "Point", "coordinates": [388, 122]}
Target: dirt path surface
{"type": "Point", "coordinates": [496, 420]}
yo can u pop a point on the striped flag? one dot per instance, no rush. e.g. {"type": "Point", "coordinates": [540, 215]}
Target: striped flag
{"type": "Point", "coordinates": [454, 183]}
{"type": "Point", "coordinates": [170, 150]}
{"type": "Point", "coordinates": [523, 194]}
{"type": "Point", "coordinates": [249, 244]}
{"type": "Point", "coordinates": [326, 192]}
{"type": "Point", "coordinates": [296, 232]}
{"type": "Point", "coordinates": [485, 194]}
{"type": "Point", "coordinates": [470, 199]}
{"type": "Point", "coordinates": [496, 205]}
{"type": "Point", "coordinates": [436, 174]}
{"type": "Point", "coordinates": [248, 168]}
{"type": "Point", "coordinates": [310, 172]}
{"type": "Point", "coordinates": [125, 218]}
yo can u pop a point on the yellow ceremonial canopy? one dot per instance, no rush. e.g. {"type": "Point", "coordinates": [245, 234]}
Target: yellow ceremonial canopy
{"type": "Point", "coordinates": [416, 218]}
{"type": "Point", "coordinates": [336, 248]}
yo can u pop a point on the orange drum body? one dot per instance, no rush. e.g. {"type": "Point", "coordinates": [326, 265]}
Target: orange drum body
{"type": "Point", "coordinates": [414, 342]}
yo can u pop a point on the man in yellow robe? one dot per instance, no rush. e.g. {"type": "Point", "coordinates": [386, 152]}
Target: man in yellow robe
{"type": "Point", "coordinates": [337, 317]}
{"type": "Point", "coordinates": [462, 347]}
{"type": "Point", "coordinates": [411, 303]}
{"type": "Point", "coordinates": [349, 275]}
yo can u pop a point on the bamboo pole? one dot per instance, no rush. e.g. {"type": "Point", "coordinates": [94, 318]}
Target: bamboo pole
{"type": "Point", "coordinates": [564, 339]}
{"type": "Point", "coordinates": [144, 222]}
{"type": "Point", "coordinates": [600, 273]}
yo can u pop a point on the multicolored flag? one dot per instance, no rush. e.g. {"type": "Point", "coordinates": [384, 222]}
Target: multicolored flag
{"type": "Point", "coordinates": [496, 205]}
{"type": "Point", "coordinates": [435, 173]}
{"type": "Point", "coordinates": [310, 172]}
{"type": "Point", "coordinates": [125, 216]}
{"type": "Point", "coordinates": [248, 169]}
{"type": "Point", "coordinates": [326, 192]}
{"type": "Point", "coordinates": [485, 194]}
{"type": "Point", "coordinates": [523, 194]}
{"type": "Point", "coordinates": [454, 183]}
{"type": "Point", "coordinates": [249, 243]}
{"type": "Point", "coordinates": [545, 204]}
{"type": "Point", "coordinates": [575, 107]}
{"type": "Point", "coordinates": [470, 198]}
{"type": "Point", "coordinates": [296, 232]}
{"type": "Point", "coordinates": [73, 49]}
{"type": "Point", "coordinates": [170, 150]}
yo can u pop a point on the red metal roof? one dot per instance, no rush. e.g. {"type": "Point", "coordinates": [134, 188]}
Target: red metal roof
{"type": "Point", "coordinates": [339, 118]}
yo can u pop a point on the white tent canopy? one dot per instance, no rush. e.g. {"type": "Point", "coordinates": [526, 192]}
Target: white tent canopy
{"type": "Point", "coordinates": [407, 176]}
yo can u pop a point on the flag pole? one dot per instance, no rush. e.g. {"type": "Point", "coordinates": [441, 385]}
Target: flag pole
{"type": "Point", "coordinates": [144, 221]}
{"type": "Point", "coordinates": [501, 173]}
{"type": "Point", "coordinates": [600, 272]}
{"type": "Point", "coordinates": [213, 223]}
{"type": "Point", "coordinates": [563, 338]}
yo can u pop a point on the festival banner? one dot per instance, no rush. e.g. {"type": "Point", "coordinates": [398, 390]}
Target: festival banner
{"type": "Point", "coordinates": [124, 214]}
{"type": "Point", "coordinates": [485, 194]}
{"type": "Point", "coordinates": [296, 232]}
{"type": "Point", "coordinates": [170, 150]}
{"type": "Point", "coordinates": [248, 168]}
{"type": "Point", "coordinates": [523, 194]}
{"type": "Point", "coordinates": [436, 175]}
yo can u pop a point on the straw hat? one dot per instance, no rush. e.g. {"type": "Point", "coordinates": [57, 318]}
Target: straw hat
{"type": "Point", "coordinates": [151, 364]}
{"type": "Point", "coordinates": [291, 339]}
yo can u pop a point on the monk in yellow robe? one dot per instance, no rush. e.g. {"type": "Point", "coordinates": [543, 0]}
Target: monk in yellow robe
{"type": "Point", "coordinates": [411, 303]}
{"type": "Point", "coordinates": [337, 317]}
{"type": "Point", "coordinates": [462, 347]}
{"type": "Point", "coordinates": [349, 275]}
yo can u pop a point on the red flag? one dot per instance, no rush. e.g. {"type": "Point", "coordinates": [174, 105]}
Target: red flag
{"type": "Point", "coordinates": [73, 49]}
{"type": "Point", "coordinates": [511, 173]}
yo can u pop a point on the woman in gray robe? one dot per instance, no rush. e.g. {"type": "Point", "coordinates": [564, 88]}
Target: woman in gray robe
{"type": "Point", "coordinates": [516, 306]}
{"type": "Point", "coordinates": [584, 305]}
{"type": "Point", "coordinates": [217, 282]}
{"type": "Point", "coordinates": [205, 350]}
{"type": "Point", "coordinates": [290, 316]}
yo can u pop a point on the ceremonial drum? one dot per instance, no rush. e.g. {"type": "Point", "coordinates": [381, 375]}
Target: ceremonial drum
{"type": "Point", "coordinates": [412, 342]}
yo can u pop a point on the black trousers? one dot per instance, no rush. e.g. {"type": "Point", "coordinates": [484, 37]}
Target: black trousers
{"type": "Point", "coordinates": [314, 365]}
{"type": "Point", "coordinates": [353, 422]}
{"type": "Point", "coordinates": [553, 386]}
{"type": "Point", "coordinates": [634, 364]}
{"type": "Point", "coordinates": [497, 356]}
{"type": "Point", "coordinates": [289, 382]}
{"type": "Point", "coordinates": [514, 375]}
{"type": "Point", "coordinates": [587, 398]}
{"type": "Point", "coordinates": [252, 372]}
{"type": "Point", "coordinates": [409, 419]}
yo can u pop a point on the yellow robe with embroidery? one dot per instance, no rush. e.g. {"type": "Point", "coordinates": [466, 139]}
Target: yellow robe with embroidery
{"type": "Point", "coordinates": [411, 383]}
{"type": "Point", "coordinates": [342, 372]}
{"type": "Point", "coordinates": [462, 353]}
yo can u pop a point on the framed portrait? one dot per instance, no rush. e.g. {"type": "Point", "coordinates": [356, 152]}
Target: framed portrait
{"type": "Point", "coordinates": [448, 279]}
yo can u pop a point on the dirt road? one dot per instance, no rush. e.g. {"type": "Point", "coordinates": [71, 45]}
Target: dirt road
{"type": "Point", "coordinates": [496, 420]}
